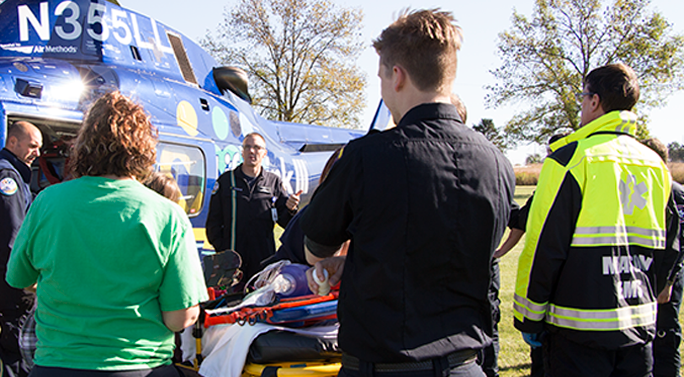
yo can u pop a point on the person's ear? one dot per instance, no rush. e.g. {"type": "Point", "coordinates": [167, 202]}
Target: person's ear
{"type": "Point", "coordinates": [595, 102]}
{"type": "Point", "coordinates": [399, 77]}
{"type": "Point", "coordinates": [12, 142]}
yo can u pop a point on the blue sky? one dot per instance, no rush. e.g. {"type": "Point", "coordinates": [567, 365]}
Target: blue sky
{"type": "Point", "coordinates": [481, 22]}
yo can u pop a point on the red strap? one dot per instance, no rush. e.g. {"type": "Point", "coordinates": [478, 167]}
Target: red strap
{"type": "Point", "coordinates": [251, 313]}
{"type": "Point", "coordinates": [42, 161]}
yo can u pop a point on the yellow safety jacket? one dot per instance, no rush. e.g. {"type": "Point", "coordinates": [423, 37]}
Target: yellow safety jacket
{"type": "Point", "coordinates": [596, 237]}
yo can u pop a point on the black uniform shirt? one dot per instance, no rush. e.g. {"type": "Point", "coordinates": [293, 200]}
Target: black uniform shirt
{"type": "Point", "coordinates": [254, 226]}
{"type": "Point", "coordinates": [15, 198]}
{"type": "Point", "coordinates": [425, 204]}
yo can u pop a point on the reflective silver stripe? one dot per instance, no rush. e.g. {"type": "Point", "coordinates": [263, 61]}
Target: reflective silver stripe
{"type": "Point", "coordinates": [619, 240]}
{"type": "Point", "coordinates": [528, 308]}
{"type": "Point", "coordinates": [620, 230]}
{"type": "Point", "coordinates": [625, 125]}
{"type": "Point", "coordinates": [603, 320]}
{"type": "Point", "coordinates": [619, 235]}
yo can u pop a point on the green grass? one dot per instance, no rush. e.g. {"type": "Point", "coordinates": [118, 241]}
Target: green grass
{"type": "Point", "coordinates": [514, 357]}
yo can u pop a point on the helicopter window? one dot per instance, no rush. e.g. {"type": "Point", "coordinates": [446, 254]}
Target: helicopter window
{"type": "Point", "coordinates": [136, 53]}
{"type": "Point", "coordinates": [187, 165]}
{"type": "Point", "coordinates": [182, 58]}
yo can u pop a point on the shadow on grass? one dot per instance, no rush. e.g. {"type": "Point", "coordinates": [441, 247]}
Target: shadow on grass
{"type": "Point", "coordinates": [521, 368]}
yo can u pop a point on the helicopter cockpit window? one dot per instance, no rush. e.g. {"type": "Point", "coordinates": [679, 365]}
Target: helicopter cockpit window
{"type": "Point", "coordinates": [187, 166]}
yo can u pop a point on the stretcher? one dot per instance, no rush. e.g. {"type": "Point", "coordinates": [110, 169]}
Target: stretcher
{"type": "Point", "coordinates": [297, 312]}
{"type": "Point", "coordinates": [238, 340]}
{"type": "Point", "coordinates": [318, 369]}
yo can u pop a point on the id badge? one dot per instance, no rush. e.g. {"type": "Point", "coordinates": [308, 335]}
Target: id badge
{"type": "Point", "coordinates": [274, 214]}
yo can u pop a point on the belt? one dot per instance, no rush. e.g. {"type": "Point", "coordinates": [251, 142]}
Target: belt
{"type": "Point", "coordinates": [455, 359]}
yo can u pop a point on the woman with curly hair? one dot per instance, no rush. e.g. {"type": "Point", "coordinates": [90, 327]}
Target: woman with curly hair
{"type": "Point", "coordinates": [115, 263]}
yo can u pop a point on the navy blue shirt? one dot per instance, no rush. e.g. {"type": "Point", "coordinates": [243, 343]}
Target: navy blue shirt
{"type": "Point", "coordinates": [15, 198]}
{"type": "Point", "coordinates": [291, 243]}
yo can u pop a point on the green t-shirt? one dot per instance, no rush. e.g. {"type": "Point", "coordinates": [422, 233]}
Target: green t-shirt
{"type": "Point", "coordinates": [108, 256]}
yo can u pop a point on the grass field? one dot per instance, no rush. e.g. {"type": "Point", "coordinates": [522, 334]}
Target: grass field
{"type": "Point", "coordinates": [514, 357]}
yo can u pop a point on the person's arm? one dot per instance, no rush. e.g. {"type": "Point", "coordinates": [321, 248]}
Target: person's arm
{"type": "Point", "coordinates": [329, 213]}
{"type": "Point", "coordinates": [334, 266]}
{"type": "Point", "coordinates": [292, 202]}
{"type": "Point", "coordinates": [550, 228]}
{"type": "Point", "coordinates": [32, 289]}
{"type": "Point", "coordinates": [214, 224]}
{"type": "Point", "coordinates": [21, 273]}
{"type": "Point", "coordinates": [665, 295]}
{"type": "Point", "coordinates": [671, 266]}
{"type": "Point", "coordinates": [177, 320]}
{"type": "Point", "coordinates": [183, 286]}
{"type": "Point", "coordinates": [514, 237]}
{"type": "Point", "coordinates": [517, 224]}
{"type": "Point", "coordinates": [12, 213]}
{"type": "Point", "coordinates": [287, 206]}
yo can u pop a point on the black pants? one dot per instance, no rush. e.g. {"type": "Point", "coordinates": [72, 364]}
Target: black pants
{"type": "Point", "coordinates": [466, 370]}
{"type": "Point", "coordinates": [162, 371]}
{"type": "Point", "coordinates": [565, 358]}
{"type": "Point", "coordinates": [12, 363]}
{"type": "Point", "coordinates": [489, 357]}
{"type": "Point", "coordinates": [666, 357]}
{"type": "Point", "coordinates": [537, 359]}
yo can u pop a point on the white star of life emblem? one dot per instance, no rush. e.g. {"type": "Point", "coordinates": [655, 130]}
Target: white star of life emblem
{"type": "Point", "coordinates": [631, 194]}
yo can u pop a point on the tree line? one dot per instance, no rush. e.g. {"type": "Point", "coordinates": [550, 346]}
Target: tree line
{"type": "Point", "coordinates": [300, 56]}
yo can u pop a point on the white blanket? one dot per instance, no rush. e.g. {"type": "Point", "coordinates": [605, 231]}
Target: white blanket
{"type": "Point", "coordinates": [225, 347]}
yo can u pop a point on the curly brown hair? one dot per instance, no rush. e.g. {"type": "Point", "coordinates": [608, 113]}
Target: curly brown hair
{"type": "Point", "coordinates": [116, 138]}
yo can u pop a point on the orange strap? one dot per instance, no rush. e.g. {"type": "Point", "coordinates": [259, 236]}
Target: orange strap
{"type": "Point", "coordinates": [252, 314]}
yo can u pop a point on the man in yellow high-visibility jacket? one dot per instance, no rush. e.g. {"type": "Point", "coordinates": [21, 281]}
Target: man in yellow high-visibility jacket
{"type": "Point", "coordinates": [597, 250]}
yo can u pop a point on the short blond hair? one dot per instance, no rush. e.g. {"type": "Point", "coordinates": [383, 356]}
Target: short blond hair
{"type": "Point", "coordinates": [424, 43]}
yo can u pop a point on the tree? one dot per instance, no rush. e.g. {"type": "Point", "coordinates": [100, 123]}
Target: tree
{"type": "Point", "coordinates": [300, 56]}
{"type": "Point", "coordinates": [675, 152]}
{"type": "Point", "coordinates": [546, 58]}
{"type": "Point", "coordinates": [487, 128]}
{"type": "Point", "coordinates": [535, 158]}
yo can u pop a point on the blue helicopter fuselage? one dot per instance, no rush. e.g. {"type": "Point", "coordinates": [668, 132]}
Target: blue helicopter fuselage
{"type": "Point", "coordinates": [57, 56]}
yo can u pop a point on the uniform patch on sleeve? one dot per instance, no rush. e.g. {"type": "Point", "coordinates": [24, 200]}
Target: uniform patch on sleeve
{"type": "Point", "coordinates": [216, 188]}
{"type": "Point", "coordinates": [8, 186]}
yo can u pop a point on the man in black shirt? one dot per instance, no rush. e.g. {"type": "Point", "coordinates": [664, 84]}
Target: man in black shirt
{"type": "Point", "coordinates": [425, 204]}
{"type": "Point", "coordinates": [666, 356]}
{"type": "Point", "coordinates": [260, 202]}
{"type": "Point", "coordinates": [23, 146]}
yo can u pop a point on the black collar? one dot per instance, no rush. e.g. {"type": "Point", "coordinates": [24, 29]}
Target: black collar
{"type": "Point", "coordinates": [23, 169]}
{"type": "Point", "coordinates": [430, 111]}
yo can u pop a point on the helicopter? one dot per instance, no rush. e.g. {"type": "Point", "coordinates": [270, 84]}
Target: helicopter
{"type": "Point", "coordinates": [58, 56]}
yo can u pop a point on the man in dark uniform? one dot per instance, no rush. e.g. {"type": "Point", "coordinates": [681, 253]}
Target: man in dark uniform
{"type": "Point", "coordinates": [23, 146]}
{"type": "Point", "coordinates": [425, 204]}
{"type": "Point", "coordinates": [666, 358]}
{"type": "Point", "coordinates": [260, 201]}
